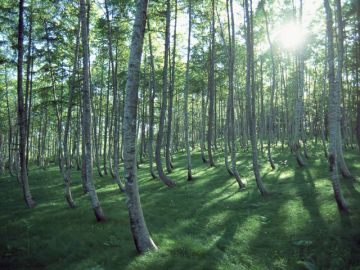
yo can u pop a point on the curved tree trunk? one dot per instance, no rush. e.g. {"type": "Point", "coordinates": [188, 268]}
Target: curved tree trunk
{"type": "Point", "coordinates": [231, 114]}
{"type": "Point", "coordinates": [67, 158]}
{"type": "Point", "coordinates": [333, 115]}
{"type": "Point", "coordinates": [167, 181]}
{"type": "Point", "coordinates": [169, 165]}
{"type": "Point", "coordinates": [116, 105]}
{"type": "Point", "coordinates": [141, 235]}
{"type": "Point", "coordinates": [86, 119]}
{"type": "Point", "coordinates": [250, 99]}
{"type": "Point", "coordinates": [340, 59]}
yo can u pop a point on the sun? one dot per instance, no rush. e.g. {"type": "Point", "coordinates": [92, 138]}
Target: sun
{"type": "Point", "coordinates": [290, 36]}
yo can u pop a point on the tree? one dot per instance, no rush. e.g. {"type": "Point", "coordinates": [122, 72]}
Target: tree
{"type": "Point", "coordinates": [339, 85]}
{"type": "Point", "coordinates": [250, 98]}
{"type": "Point", "coordinates": [86, 119]}
{"type": "Point", "coordinates": [169, 165]}
{"type": "Point", "coordinates": [67, 158]}
{"type": "Point", "coordinates": [151, 104]}
{"type": "Point", "coordinates": [230, 106]}
{"type": "Point", "coordinates": [116, 106]}
{"type": "Point", "coordinates": [333, 114]}
{"type": "Point", "coordinates": [211, 88]}
{"type": "Point", "coordinates": [186, 99]}
{"type": "Point", "coordinates": [167, 181]}
{"type": "Point", "coordinates": [141, 236]}
{"type": "Point", "coordinates": [22, 114]}
{"type": "Point", "coordinates": [273, 87]}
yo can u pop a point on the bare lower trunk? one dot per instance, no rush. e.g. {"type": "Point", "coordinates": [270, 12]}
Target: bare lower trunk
{"type": "Point", "coordinates": [22, 112]}
{"type": "Point", "coordinates": [141, 235]}
{"type": "Point", "coordinates": [167, 181]}
{"type": "Point", "coordinates": [250, 99]}
{"type": "Point", "coordinates": [333, 116]}
{"type": "Point", "coordinates": [151, 107]}
{"type": "Point", "coordinates": [186, 99]}
{"type": "Point", "coordinates": [338, 84]}
{"type": "Point", "coordinates": [211, 89]}
{"type": "Point", "coordinates": [273, 87]}
{"type": "Point", "coordinates": [88, 166]}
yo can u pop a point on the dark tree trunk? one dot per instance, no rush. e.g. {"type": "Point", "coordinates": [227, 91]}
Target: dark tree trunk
{"type": "Point", "coordinates": [22, 112]}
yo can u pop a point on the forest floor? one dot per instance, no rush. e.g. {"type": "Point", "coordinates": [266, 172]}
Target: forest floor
{"type": "Point", "coordinates": [204, 224]}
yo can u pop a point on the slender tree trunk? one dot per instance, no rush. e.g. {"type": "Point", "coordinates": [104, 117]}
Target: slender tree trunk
{"type": "Point", "coordinates": [203, 125]}
{"type": "Point", "coordinates": [338, 84]}
{"type": "Point", "coordinates": [67, 158]}
{"type": "Point", "coordinates": [294, 142]}
{"type": "Point", "coordinates": [322, 112]}
{"type": "Point", "coordinates": [142, 136]}
{"type": "Point", "coordinates": [116, 106]}
{"type": "Point", "coordinates": [106, 122]}
{"type": "Point", "coordinates": [211, 89]}
{"type": "Point", "coordinates": [273, 87]}
{"type": "Point", "coordinates": [22, 112]}
{"type": "Point", "coordinates": [10, 138]}
{"type": "Point", "coordinates": [231, 114]}
{"type": "Point", "coordinates": [250, 98]}
{"type": "Point", "coordinates": [167, 181]}
{"type": "Point", "coordinates": [333, 115]}
{"type": "Point", "coordinates": [151, 104]}
{"type": "Point", "coordinates": [28, 84]}
{"type": "Point", "coordinates": [87, 117]}
{"type": "Point", "coordinates": [141, 235]}
{"type": "Point", "coordinates": [186, 99]}
{"type": "Point", "coordinates": [169, 165]}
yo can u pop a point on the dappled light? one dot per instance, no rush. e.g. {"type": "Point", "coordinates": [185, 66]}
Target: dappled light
{"type": "Point", "coordinates": [180, 134]}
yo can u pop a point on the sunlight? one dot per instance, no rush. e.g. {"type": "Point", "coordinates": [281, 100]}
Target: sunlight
{"type": "Point", "coordinates": [290, 36]}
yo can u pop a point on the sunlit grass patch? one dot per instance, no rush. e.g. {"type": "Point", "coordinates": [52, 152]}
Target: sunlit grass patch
{"type": "Point", "coordinates": [204, 224]}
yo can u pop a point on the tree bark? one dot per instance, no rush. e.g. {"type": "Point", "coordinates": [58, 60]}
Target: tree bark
{"type": "Point", "coordinates": [231, 114]}
{"type": "Point", "coordinates": [250, 99]}
{"type": "Point", "coordinates": [169, 165]}
{"type": "Point", "coordinates": [86, 119]}
{"type": "Point", "coordinates": [333, 115]}
{"type": "Point", "coordinates": [211, 89]}
{"type": "Point", "coordinates": [186, 99]}
{"type": "Point", "coordinates": [116, 106]}
{"type": "Point", "coordinates": [338, 84]}
{"type": "Point", "coordinates": [273, 87]}
{"type": "Point", "coordinates": [67, 157]}
{"type": "Point", "coordinates": [151, 104]}
{"type": "Point", "coordinates": [141, 235]}
{"type": "Point", "coordinates": [22, 112]}
{"type": "Point", "coordinates": [167, 181]}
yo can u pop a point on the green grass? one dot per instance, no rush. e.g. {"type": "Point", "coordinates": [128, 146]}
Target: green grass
{"type": "Point", "coordinates": [204, 224]}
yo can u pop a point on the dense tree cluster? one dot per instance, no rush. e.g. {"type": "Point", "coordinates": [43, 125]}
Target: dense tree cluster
{"type": "Point", "coordinates": [95, 83]}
